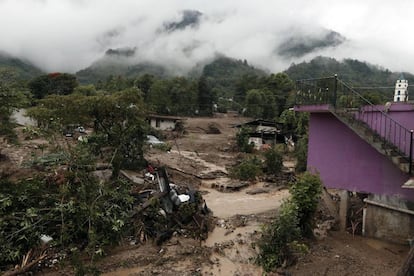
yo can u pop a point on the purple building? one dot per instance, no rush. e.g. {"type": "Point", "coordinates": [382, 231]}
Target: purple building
{"type": "Point", "coordinates": [363, 148]}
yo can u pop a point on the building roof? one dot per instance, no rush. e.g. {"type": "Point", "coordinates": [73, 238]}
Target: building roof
{"type": "Point", "coordinates": [260, 122]}
{"type": "Point", "coordinates": [401, 76]}
{"type": "Point", "coordinates": [172, 118]}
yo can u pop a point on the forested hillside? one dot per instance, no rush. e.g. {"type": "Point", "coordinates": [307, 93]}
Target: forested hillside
{"type": "Point", "coordinates": [352, 71]}
{"type": "Point", "coordinates": [374, 82]}
{"type": "Point", "coordinates": [23, 70]}
{"type": "Point", "coordinates": [224, 74]}
{"type": "Point", "coordinates": [116, 62]}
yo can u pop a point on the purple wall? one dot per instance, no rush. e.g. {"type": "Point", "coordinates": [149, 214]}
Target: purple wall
{"type": "Point", "coordinates": [345, 161]}
{"type": "Point", "coordinates": [395, 127]}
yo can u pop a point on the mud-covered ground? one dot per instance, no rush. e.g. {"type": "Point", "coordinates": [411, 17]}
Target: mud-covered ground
{"type": "Point", "coordinates": [239, 216]}
{"type": "Point", "coordinates": [201, 161]}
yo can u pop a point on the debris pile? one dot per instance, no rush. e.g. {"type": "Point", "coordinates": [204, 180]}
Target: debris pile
{"type": "Point", "coordinates": [170, 210]}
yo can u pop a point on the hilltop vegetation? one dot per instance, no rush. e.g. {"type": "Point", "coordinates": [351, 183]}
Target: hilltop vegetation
{"type": "Point", "coordinates": [374, 82]}
{"type": "Point", "coordinates": [352, 71]}
{"type": "Point", "coordinates": [24, 70]}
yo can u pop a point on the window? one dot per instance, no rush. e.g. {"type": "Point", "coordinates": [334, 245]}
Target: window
{"type": "Point", "coordinates": [398, 92]}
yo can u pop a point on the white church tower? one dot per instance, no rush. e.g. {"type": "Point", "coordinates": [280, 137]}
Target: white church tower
{"type": "Point", "coordinates": [401, 90]}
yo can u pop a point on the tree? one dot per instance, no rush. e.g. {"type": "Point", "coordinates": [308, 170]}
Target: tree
{"type": "Point", "coordinates": [254, 103]}
{"type": "Point", "coordinates": [54, 83]}
{"type": "Point", "coordinates": [144, 83]}
{"type": "Point", "coordinates": [118, 120]}
{"type": "Point", "coordinates": [12, 96]}
{"type": "Point", "coordinates": [205, 97]}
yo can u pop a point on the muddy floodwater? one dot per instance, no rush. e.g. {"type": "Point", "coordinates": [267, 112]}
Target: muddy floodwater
{"type": "Point", "coordinates": [225, 205]}
{"type": "Point", "coordinates": [233, 253]}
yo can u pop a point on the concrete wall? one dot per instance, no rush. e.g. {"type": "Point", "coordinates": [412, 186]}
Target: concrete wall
{"type": "Point", "coordinates": [345, 161]}
{"type": "Point", "coordinates": [389, 219]}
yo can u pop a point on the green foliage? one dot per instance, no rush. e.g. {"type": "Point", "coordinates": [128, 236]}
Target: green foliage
{"type": "Point", "coordinates": [305, 193]}
{"type": "Point", "coordinates": [31, 132]}
{"type": "Point", "coordinates": [242, 138]}
{"type": "Point", "coordinates": [25, 214]}
{"type": "Point", "coordinates": [73, 207]}
{"type": "Point", "coordinates": [162, 147]}
{"type": "Point", "coordinates": [353, 72]}
{"type": "Point", "coordinates": [255, 102]}
{"type": "Point", "coordinates": [294, 122]}
{"type": "Point", "coordinates": [205, 97]}
{"type": "Point", "coordinates": [118, 120]}
{"type": "Point", "coordinates": [230, 77]}
{"type": "Point", "coordinates": [55, 83]}
{"type": "Point", "coordinates": [24, 70]}
{"type": "Point", "coordinates": [273, 161]}
{"type": "Point", "coordinates": [108, 66]}
{"type": "Point", "coordinates": [248, 169]}
{"type": "Point", "coordinates": [12, 96]}
{"type": "Point", "coordinates": [177, 96]}
{"type": "Point", "coordinates": [279, 239]}
{"type": "Point", "coordinates": [269, 98]}
{"type": "Point", "coordinates": [301, 153]}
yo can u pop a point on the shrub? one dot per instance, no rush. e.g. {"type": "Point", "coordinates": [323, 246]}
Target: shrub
{"type": "Point", "coordinates": [280, 241]}
{"type": "Point", "coordinates": [162, 147]}
{"type": "Point", "coordinates": [275, 245]}
{"type": "Point", "coordinates": [248, 169]}
{"type": "Point", "coordinates": [305, 193]}
{"type": "Point", "coordinates": [242, 139]}
{"type": "Point", "coordinates": [273, 161]}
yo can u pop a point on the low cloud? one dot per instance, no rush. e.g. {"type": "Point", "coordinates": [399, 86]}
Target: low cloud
{"type": "Point", "coordinates": [69, 35]}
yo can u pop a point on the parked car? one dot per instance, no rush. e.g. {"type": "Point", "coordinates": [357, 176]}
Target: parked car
{"type": "Point", "coordinates": [152, 140]}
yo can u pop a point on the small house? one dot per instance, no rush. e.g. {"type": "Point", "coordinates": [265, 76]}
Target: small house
{"type": "Point", "coordinates": [263, 132]}
{"type": "Point", "coordinates": [161, 122]}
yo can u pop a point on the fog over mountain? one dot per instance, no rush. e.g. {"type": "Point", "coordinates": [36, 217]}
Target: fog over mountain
{"type": "Point", "coordinates": [69, 35]}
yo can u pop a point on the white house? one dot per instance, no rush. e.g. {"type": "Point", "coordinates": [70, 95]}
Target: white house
{"type": "Point", "coordinates": [164, 122]}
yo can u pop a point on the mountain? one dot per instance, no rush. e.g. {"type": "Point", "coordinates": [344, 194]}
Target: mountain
{"type": "Point", "coordinates": [300, 45]}
{"type": "Point", "coordinates": [24, 69]}
{"type": "Point", "coordinates": [224, 73]}
{"type": "Point", "coordinates": [189, 18]}
{"type": "Point", "coordinates": [121, 62]}
{"type": "Point", "coordinates": [118, 62]}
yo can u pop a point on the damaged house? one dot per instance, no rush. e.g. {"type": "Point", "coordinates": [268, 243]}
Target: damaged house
{"type": "Point", "coordinates": [263, 133]}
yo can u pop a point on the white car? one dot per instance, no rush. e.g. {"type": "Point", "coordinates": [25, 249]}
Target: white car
{"type": "Point", "coordinates": [152, 140]}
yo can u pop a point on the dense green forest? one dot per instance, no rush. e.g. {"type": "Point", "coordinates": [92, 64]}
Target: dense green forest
{"type": "Point", "coordinates": [221, 85]}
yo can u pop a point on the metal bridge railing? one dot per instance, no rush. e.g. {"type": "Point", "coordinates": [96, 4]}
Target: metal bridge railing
{"type": "Point", "coordinates": [343, 99]}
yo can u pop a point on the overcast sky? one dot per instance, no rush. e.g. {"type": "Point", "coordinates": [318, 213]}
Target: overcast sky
{"type": "Point", "coordinates": [68, 35]}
